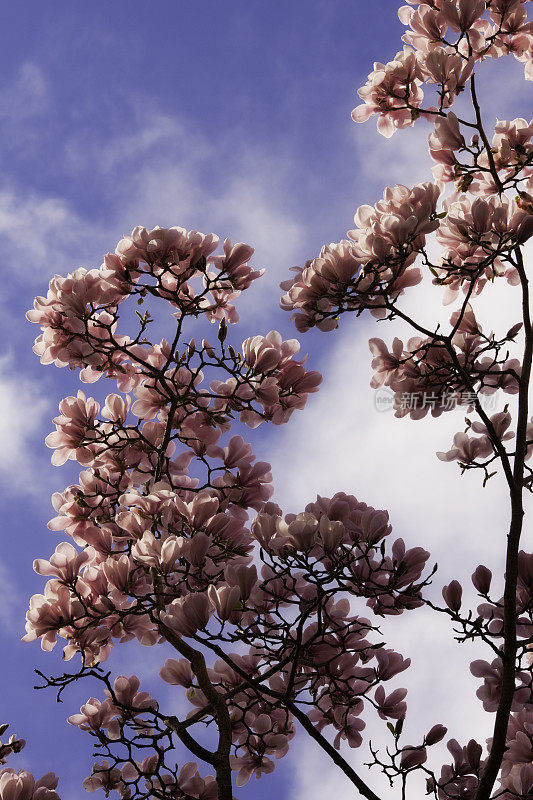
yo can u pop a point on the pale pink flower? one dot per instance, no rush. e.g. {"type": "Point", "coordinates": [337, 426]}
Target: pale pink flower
{"type": "Point", "coordinates": [445, 139]}
{"type": "Point", "coordinates": [412, 757]}
{"type": "Point", "coordinates": [105, 777]}
{"type": "Point", "coordinates": [461, 14]}
{"type": "Point", "coordinates": [65, 564]}
{"type": "Point", "coordinates": [270, 352]}
{"type": "Point", "coordinates": [234, 264]}
{"type": "Point", "coordinates": [388, 90]}
{"type": "Point", "coordinates": [452, 595]}
{"type": "Point", "coordinates": [22, 785]}
{"type": "Point", "coordinates": [392, 705]}
{"type": "Point", "coordinates": [188, 614]}
{"type": "Point", "coordinates": [74, 429]}
{"type": "Point", "coordinates": [467, 449]}
{"type": "Point", "coordinates": [126, 691]}
{"type": "Point", "coordinates": [116, 407]}
{"type": "Point", "coordinates": [489, 693]}
{"type": "Point", "coordinates": [242, 577]}
{"type": "Point", "coordinates": [435, 734]}
{"type": "Point", "coordinates": [177, 672]}
{"type": "Point", "coordinates": [444, 67]}
{"type": "Point", "coordinates": [512, 144]}
{"type": "Point", "coordinates": [428, 26]}
{"type": "Point", "coordinates": [51, 613]}
{"type": "Point", "coordinates": [250, 764]}
{"type": "Point", "coordinates": [165, 245]}
{"type": "Point", "coordinates": [225, 600]}
{"type": "Point", "coordinates": [94, 715]}
{"type": "Point", "coordinates": [481, 579]}
{"type": "Point", "coordinates": [190, 782]}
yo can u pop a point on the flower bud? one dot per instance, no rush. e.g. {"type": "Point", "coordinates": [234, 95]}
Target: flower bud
{"type": "Point", "coordinates": [482, 578]}
{"type": "Point", "coordinates": [452, 595]}
{"type": "Point", "coordinates": [436, 734]}
{"type": "Point", "coordinates": [413, 757]}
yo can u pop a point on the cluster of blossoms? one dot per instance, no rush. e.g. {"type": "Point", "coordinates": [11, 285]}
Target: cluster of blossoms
{"type": "Point", "coordinates": [160, 547]}
{"type": "Point", "coordinates": [376, 264]}
{"type": "Point", "coordinates": [22, 785]}
{"type": "Point", "coordinates": [516, 778]}
{"type": "Point", "coordinates": [370, 269]}
{"type": "Point", "coordinates": [126, 710]}
{"type": "Point", "coordinates": [309, 655]}
{"type": "Point", "coordinates": [161, 506]}
{"type": "Point", "coordinates": [79, 314]}
{"type": "Point", "coordinates": [444, 42]}
{"type": "Point", "coordinates": [13, 745]}
{"type": "Point", "coordinates": [468, 450]}
{"type": "Point", "coordinates": [507, 165]}
{"type": "Point", "coordinates": [142, 776]}
{"type": "Point", "coordinates": [467, 361]}
{"type": "Point", "coordinates": [462, 777]}
{"type": "Point", "coordinates": [478, 238]}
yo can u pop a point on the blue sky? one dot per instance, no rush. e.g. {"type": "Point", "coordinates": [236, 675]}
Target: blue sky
{"type": "Point", "coordinates": [233, 118]}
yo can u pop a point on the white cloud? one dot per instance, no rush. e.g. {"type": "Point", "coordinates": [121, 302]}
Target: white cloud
{"type": "Point", "coordinates": [23, 103]}
{"type": "Point", "coordinates": [385, 162]}
{"type": "Point", "coordinates": [9, 601]}
{"type": "Point", "coordinates": [42, 235]}
{"type": "Point", "coordinates": [23, 409]}
{"type": "Point", "coordinates": [180, 180]}
{"type": "Point", "coordinates": [27, 96]}
{"type": "Point", "coordinates": [161, 174]}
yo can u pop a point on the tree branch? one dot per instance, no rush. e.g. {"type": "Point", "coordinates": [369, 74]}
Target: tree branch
{"type": "Point", "coordinates": [501, 723]}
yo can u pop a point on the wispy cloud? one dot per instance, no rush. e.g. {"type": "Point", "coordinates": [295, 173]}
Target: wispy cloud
{"type": "Point", "coordinates": [23, 104]}
{"type": "Point", "coordinates": [172, 175]}
{"type": "Point", "coordinates": [384, 163]}
{"type": "Point", "coordinates": [42, 235]}
{"type": "Point", "coordinates": [161, 173]}
{"type": "Point", "coordinates": [23, 409]}
{"type": "Point", "coordinates": [9, 601]}
{"type": "Point", "coordinates": [27, 96]}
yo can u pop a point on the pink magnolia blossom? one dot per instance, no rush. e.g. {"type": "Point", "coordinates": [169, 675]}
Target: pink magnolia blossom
{"type": "Point", "coordinates": [234, 264]}
{"type": "Point", "coordinates": [482, 579]}
{"type": "Point", "coordinates": [177, 672]}
{"type": "Point", "coordinates": [413, 757]}
{"type": "Point", "coordinates": [427, 24]}
{"type": "Point", "coordinates": [468, 449]}
{"type": "Point", "coordinates": [75, 425]}
{"type": "Point", "coordinates": [387, 91]}
{"type": "Point", "coordinates": [22, 785]}
{"type": "Point", "coordinates": [187, 615]}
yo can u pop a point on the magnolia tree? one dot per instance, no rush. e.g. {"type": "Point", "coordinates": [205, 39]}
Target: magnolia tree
{"type": "Point", "coordinates": [275, 624]}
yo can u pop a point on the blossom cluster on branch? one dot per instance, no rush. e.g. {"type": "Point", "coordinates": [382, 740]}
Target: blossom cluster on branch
{"type": "Point", "coordinates": [21, 785]}
{"type": "Point", "coordinates": [444, 42]}
{"type": "Point", "coordinates": [160, 547]}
